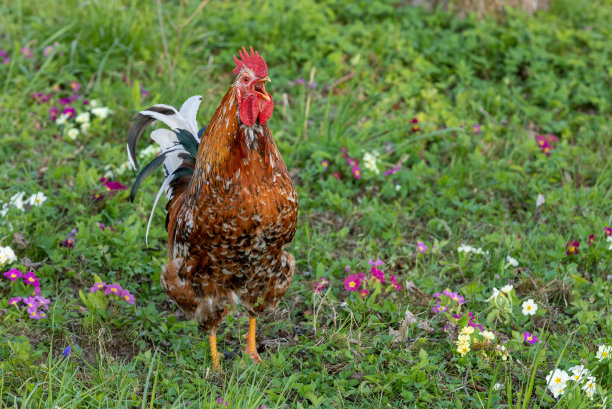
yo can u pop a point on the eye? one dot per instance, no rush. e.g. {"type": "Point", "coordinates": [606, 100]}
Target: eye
{"type": "Point", "coordinates": [246, 79]}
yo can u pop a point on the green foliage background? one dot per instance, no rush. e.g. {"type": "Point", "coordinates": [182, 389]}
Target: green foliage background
{"type": "Point", "coordinates": [377, 65]}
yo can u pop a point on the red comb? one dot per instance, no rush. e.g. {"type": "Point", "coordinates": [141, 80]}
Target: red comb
{"type": "Point", "coordinates": [252, 61]}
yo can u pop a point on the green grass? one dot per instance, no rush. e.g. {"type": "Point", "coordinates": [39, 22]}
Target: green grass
{"type": "Point", "coordinates": [376, 67]}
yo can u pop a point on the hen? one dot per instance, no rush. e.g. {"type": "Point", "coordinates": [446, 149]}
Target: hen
{"type": "Point", "coordinates": [232, 207]}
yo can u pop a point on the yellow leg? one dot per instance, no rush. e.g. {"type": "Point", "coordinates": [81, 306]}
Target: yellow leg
{"type": "Point", "coordinates": [213, 352]}
{"type": "Point", "coordinates": [251, 345]}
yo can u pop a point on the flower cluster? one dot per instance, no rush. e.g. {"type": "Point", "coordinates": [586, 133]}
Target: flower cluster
{"type": "Point", "coordinates": [103, 227]}
{"type": "Point", "coordinates": [149, 151]}
{"type": "Point", "coordinates": [36, 305]}
{"type": "Point", "coordinates": [447, 301]}
{"type": "Point", "coordinates": [19, 201]}
{"type": "Point", "coordinates": [369, 160]}
{"type": "Point", "coordinates": [353, 163]}
{"type": "Point", "coordinates": [29, 278]}
{"type": "Point", "coordinates": [546, 143]}
{"type": "Point", "coordinates": [362, 284]}
{"type": "Point", "coordinates": [468, 336]}
{"type": "Point", "coordinates": [72, 122]}
{"type": "Point", "coordinates": [7, 256]}
{"type": "Point", "coordinates": [113, 289]}
{"type": "Point", "coordinates": [469, 249]}
{"type": "Point", "coordinates": [558, 379]}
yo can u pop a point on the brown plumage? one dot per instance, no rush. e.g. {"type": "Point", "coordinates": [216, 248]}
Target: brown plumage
{"type": "Point", "coordinates": [231, 213]}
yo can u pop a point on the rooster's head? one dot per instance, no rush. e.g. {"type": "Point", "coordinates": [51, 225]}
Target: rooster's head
{"type": "Point", "coordinates": [253, 100]}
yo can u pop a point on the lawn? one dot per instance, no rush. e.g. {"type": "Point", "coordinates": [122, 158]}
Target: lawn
{"type": "Point", "coordinates": [453, 246]}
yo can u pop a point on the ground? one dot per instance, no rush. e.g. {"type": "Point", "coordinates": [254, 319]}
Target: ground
{"type": "Point", "coordinates": [470, 156]}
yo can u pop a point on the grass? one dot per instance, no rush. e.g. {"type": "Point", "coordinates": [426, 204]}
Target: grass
{"type": "Point", "coordinates": [376, 66]}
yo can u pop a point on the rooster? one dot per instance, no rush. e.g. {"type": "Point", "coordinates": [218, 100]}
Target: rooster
{"type": "Point", "coordinates": [232, 207]}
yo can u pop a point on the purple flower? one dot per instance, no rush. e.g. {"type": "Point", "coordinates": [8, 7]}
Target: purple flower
{"type": "Point", "coordinates": [69, 241]}
{"type": "Point", "coordinates": [530, 338]}
{"type": "Point", "coordinates": [127, 297]}
{"type": "Point", "coordinates": [53, 113]}
{"type": "Point", "coordinates": [544, 144]}
{"type": "Point", "coordinates": [356, 171]}
{"type": "Point", "coordinates": [31, 302]}
{"type": "Point", "coordinates": [391, 171]}
{"type": "Point", "coordinates": [591, 239]}
{"type": "Point", "coordinates": [30, 278]}
{"type": "Point", "coordinates": [97, 287]}
{"type": "Point", "coordinates": [421, 247]}
{"type": "Point", "coordinates": [75, 86]}
{"type": "Point", "coordinates": [376, 263]}
{"type": "Point", "coordinates": [572, 247]}
{"type": "Point", "coordinates": [608, 231]}
{"type": "Point", "coordinates": [388, 147]}
{"type": "Point", "coordinates": [325, 164]}
{"type": "Point", "coordinates": [313, 85]}
{"type": "Point", "coordinates": [320, 285]}
{"type": "Point", "coordinates": [66, 352]}
{"type": "Point", "coordinates": [361, 276]}
{"type": "Point", "coordinates": [65, 101]}
{"type": "Point", "coordinates": [113, 289]}
{"type": "Point", "coordinates": [439, 307]}
{"type": "Point", "coordinates": [347, 269]}
{"type": "Point", "coordinates": [14, 300]}
{"type": "Point", "coordinates": [352, 283]}
{"type": "Point", "coordinates": [13, 274]}
{"type": "Point", "coordinates": [43, 302]}
{"type": "Point", "coordinates": [350, 161]}
{"type": "Point", "coordinates": [143, 92]}
{"type": "Point", "coordinates": [300, 81]}
{"type": "Point", "coordinates": [27, 52]}
{"type": "Point", "coordinates": [477, 129]}
{"type": "Point", "coordinates": [34, 313]}
{"type": "Point", "coordinates": [112, 186]}
{"type": "Point", "coordinates": [47, 50]}
{"type": "Point", "coordinates": [68, 111]}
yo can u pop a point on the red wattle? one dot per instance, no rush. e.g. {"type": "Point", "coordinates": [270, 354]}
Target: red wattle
{"type": "Point", "coordinates": [255, 107]}
{"type": "Point", "coordinates": [266, 109]}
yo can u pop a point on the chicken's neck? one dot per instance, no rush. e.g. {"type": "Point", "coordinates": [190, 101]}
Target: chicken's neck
{"type": "Point", "coordinates": [229, 149]}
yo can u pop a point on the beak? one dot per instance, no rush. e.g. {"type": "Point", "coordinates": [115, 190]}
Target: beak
{"type": "Point", "coordinates": [263, 92]}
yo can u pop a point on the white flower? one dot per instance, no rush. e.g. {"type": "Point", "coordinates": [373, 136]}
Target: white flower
{"type": "Point", "coordinates": [37, 199]}
{"type": "Point", "coordinates": [17, 200]}
{"type": "Point", "coordinates": [94, 103]}
{"type": "Point", "coordinates": [62, 119]}
{"type": "Point", "coordinates": [557, 382]}
{"type": "Point", "coordinates": [467, 330]}
{"type": "Point", "coordinates": [502, 350]}
{"type": "Point", "coordinates": [123, 167]}
{"type": "Point", "coordinates": [512, 261]}
{"type": "Point", "coordinates": [578, 372]}
{"type": "Point", "coordinates": [589, 386]}
{"type": "Point", "coordinates": [603, 352]}
{"type": "Point", "coordinates": [529, 307]}
{"type": "Point", "coordinates": [149, 151]}
{"type": "Point", "coordinates": [7, 255]}
{"type": "Point", "coordinates": [85, 127]}
{"type": "Point", "coordinates": [72, 133]}
{"type": "Point", "coordinates": [397, 187]}
{"type": "Point", "coordinates": [369, 160]}
{"type": "Point", "coordinates": [101, 112]}
{"type": "Point", "coordinates": [494, 295]}
{"type": "Point", "coordinates": [488, 335]}
{"type": "Point", "coordinates": [5, 209]}
{"type": "Point", "coordinates": [610, 240]}
{"type": "Point", "coordinates": [82, 118]}
{"type": "Point", "coordinates": [506, 289]}
{"type": "Point", "coordinates": [497, 386]}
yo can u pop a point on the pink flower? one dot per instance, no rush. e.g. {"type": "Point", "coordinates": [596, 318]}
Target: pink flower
{"type": "Point", "coordinates": [395, 283]}
{"type": "Point", "coordinates": [112, 186]}
{"type": "Point", "coordinates": [378, 274]}
{"type": "Point", "coordinates": [47, 50]}
{"type": "Point", "coordinates": [364, 292]}
{"type": "Point", "coordinates": [97, 287]}
{"type": "Point", "coordinates": [13, 274]}
{"type": "Point", "coordinates": [352, 283]}
{"type": "Point", "coordinates": [113, 289]}
{"type": "Point", "coordinates": [34, 313]}
{"type": "Point", "coordinates": [27, 52]}
{"type": "Point", "coordinates": [336, 174]}
{"type": "Point", "coordinates": [127, 296]}
{"type": "Point", "coordinates": [530, 338]}
{"type": "Point", "coordinates": [356, 170]}
{"type": "Point", "coordinates": [477, 129]}
{"type": "Point", "coordinates": [68, 111]}
{"type": "Point", "coordinates": [608, 231]}
{"type": "Point", "coordinates": [75, 86]}
{"type": "Point", "coordinates": [30, 278]}
{"type": "Point", "coordinates": [421, 247]}
{"type": "Point", "coordinates": [320, 285]}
